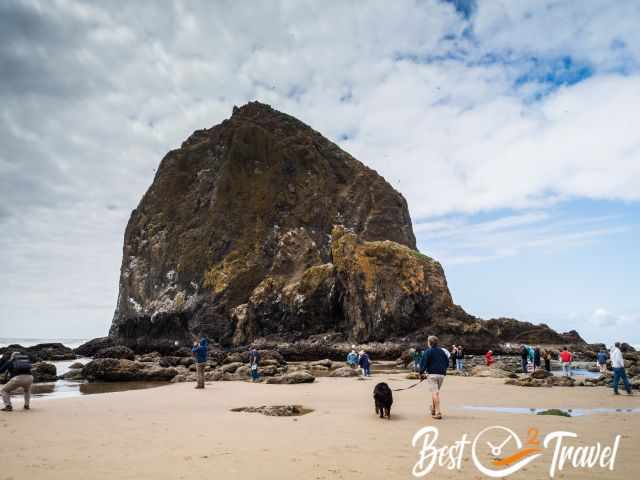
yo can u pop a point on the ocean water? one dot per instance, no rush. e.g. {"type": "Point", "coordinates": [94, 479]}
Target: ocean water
{"type": "Point", "coordinates": [29, 342]}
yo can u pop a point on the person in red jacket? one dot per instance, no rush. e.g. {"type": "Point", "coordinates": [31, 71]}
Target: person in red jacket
{"type": "Point", "coordinates": [566, 358]}
{"type": "Point", "coordinates": [489, 358]}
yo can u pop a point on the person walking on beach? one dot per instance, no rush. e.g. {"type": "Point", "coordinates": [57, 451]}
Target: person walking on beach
{"type": "Point", "coordinates": [434, 363]}
{"type": "Point", "coordinates": [602, 358]}
{"type": "Point", "coordinates": [619, 373]}
{"type": "Point", "coordinates": [365, 363]}
{"type": "Point", "coordinates": [566, 358]}
{"type": "Point", "coordinates": [524, 357]}
{"type": "Point", "coordinates": [454, 356]}
{"type": "Point", "coordinates": [352, 357]}
{"type": "Point", "coordinates": [200, 351]}
{"type": "Point", "coordinates": [254, 362]}
{"type": "Point", "coordinates": [537, 360]}
{"type": "Point", "coordinates": [19, 368]}
{"type": "Point", "coordinates": [546, 356]}
{"type": "Point", "coordinates": [459, 358]}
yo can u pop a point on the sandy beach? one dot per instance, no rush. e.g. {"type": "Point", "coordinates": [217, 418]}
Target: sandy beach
{"type": "Point", "coordinates": [176, 432]}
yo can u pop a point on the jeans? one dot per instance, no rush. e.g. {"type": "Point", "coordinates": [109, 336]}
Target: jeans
{"type": "Point", "coordinates": [19, 381]}
{"type": "Point", "coordinates": [524, 366]}
{"type": "Point", "coordinates": [459, 364]}
{"type": "Point", "coordinates": [619, 373]}
{"type": "Point", "coordinates": [254, 374]}
{"type": "Point", "coordinates": [366, 371]}
{"type": "Point", "coordinates": [566, 369]}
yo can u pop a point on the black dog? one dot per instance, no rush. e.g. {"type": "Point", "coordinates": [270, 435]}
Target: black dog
{"type": "Point", "coordinates": [384, 399]}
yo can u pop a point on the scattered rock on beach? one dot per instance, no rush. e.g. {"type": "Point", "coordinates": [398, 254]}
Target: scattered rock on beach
{"type": "Point", "coordinates": [89, 349]}
{"type": "Point", "coordinates": [276, 410]}
{"type": "Point", "coordinates": [75, 374]}
{"type": "Point", "coordinates": [76, 365]}
{"type": "Point", "coordinates": [118, 351]}
{"type": "Point", "coordinates": [231, 367]}
{"type": "Point", "coordinates": [301, 376]}
{"type": "Point", "coordinates": [555, 411]}
{"type": "Point", "coordinates": [344, 372]}
{"type": "Point", "coordinates": [541, 374]}
{"type": "Point", "coordinates": [326, 363]}
{"type": "Point", "coordinates": [490, 372]}
{"type": "Point", "coordinates": [44, 372]}
{"type": "Point", "coordinates": [123, 370]}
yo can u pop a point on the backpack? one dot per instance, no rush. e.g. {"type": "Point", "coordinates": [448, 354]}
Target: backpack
{"type": "Point", "coordinates": [21, 365]}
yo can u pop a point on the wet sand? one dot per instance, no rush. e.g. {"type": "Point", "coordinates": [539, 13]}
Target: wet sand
{"type": "Point", "coordinates": [176, 432]}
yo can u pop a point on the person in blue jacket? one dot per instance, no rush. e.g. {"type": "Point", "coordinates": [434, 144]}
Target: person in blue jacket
{"type": "Point", "coordinates": [352, 357]}
{"type": "Point", "coordinates": [201, 354]}
{"type": "Point", "coordinates": [434, 362]}
{"type": "Point", "coordinates": [365, 363]}
{"type": "Point", "coordinates": [602, 358]}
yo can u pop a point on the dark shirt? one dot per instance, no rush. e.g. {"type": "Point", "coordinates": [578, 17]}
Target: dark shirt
{"type": "Point", "coordinates": [364, 361]}
{"type": "Point", "coordinates": [434, 361]}
{"type": "Point", "coordinates": [254, 357]}
{"type": "Point", "coordinates": [602, 358]}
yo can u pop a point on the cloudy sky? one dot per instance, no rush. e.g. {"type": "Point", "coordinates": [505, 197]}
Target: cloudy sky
{"type": "Point", "coordinates": [510, 126]}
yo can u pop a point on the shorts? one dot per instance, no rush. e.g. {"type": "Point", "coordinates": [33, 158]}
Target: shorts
{"type": "Point", "coordinates": [435, 382]}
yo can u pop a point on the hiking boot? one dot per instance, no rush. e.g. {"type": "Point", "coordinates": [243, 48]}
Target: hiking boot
{"type": "Point", "coordinates": [8, 408]}
{"type": "Point", "coordinates": [27, 407]}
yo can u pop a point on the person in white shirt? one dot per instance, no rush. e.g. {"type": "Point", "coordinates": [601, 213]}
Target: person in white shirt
{"type": "Point", "coordinates": [617, 363]}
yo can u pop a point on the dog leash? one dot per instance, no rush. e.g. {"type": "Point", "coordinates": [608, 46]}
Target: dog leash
{"type": "Point", "coordinates": [410, 386]}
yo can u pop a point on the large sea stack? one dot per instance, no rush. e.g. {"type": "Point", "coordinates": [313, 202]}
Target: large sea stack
{"type": "Point", "coordinates": [261, 228]}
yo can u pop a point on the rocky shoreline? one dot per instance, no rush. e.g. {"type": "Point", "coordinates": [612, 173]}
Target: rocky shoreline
{"type": "Point", "coordinates": [282, 362]}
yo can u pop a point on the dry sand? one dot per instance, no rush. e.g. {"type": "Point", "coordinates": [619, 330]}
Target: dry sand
{"type": "Point", "coordinates": [176, 432]}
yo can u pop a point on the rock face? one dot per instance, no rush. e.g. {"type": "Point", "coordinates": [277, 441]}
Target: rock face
{"type": "Point", "coordinates": [261, 228]}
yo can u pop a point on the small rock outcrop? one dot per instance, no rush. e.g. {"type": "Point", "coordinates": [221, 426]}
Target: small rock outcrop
{"type": "Point", "coordinates": [44, 372]}
{"type": "Point", "coordinates": [89, 349]}
{"type": "Point", "coordinates": [344, 372]}
{"type": "Point", "coordinates": [121, 370]}
{"type": "Point", "coordinates": [118, 351]}
{"type": "Point", "coordinates": [299, 376]}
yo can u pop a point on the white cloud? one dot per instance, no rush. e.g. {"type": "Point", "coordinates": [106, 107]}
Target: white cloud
{"type": "Point", "coordinates": [602, 317]}
{"type": "Point", "coordinates": [93, 95]}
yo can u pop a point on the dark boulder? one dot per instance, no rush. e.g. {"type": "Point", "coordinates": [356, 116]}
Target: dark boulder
{"type": "Point", "coordinates": [44, 372]}
{"type": "Point", "coordinates": [299, 376]}
{"type": "Point", "coordinates": [117, 351]}
{"type": "Point", "coordinates": [122, 370]}
{"type": "Point", "coordinates": [89, 349]}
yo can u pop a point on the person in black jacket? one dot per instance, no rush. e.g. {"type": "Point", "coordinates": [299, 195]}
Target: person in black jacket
{"type": "Point", "coordinates": [19, 368]}
{"type": "Point", "coordinates": [434, 362]}
{"type": "Point", "coordinates": [524, 355]}
{"type": "Point", "coordinates": [537, 360]}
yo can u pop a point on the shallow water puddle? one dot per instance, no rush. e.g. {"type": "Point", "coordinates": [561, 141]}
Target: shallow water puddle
{"type": "Point", "coordinates": [276, 410]}
{"type": "Point", "coordinates": [574, 412]}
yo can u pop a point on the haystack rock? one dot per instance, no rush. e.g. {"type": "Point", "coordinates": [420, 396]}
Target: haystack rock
{"type": "Point", "coordinates": [261, 228]}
